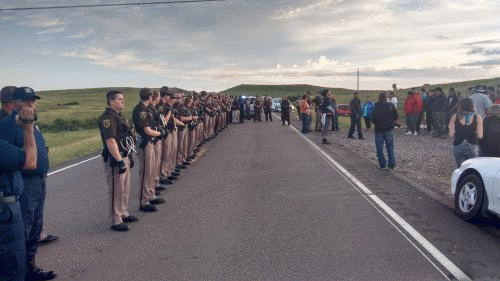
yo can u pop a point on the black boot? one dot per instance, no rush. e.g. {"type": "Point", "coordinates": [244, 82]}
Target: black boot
{"type": "Point", "coordinates": [35, 273]}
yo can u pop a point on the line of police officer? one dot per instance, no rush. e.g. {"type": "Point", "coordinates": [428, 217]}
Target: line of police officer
{"type": "Point", "coordinates": [170, 130]}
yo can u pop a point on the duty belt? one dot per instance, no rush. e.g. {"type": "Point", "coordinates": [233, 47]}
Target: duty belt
{"type": "Point", "coordinates": [8, 199]}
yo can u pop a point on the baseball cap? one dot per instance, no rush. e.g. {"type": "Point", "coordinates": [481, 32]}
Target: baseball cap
{"type": "Point", "coordinates": [7, 93]}
{"type": "Point", "coordinates": [25, 93]}
{"type": "Point", "coordinates": [479, 89]}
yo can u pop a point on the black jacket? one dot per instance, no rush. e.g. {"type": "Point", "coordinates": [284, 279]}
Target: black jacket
{"type": "Point", "coordinates": [383, 117]}
{"type": "Point", "coordinates": [490, 144]}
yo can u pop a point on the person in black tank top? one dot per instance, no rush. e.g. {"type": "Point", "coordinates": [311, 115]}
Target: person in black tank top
{"type": "Point", "coordinates": [466, 128]}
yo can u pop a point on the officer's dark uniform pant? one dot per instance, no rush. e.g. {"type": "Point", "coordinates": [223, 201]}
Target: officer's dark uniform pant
{"type": "Point", "coordinates": [355, 123]}
{"type": "Point", "coordinates": [285, 116]}
{"type": "Point", "coordinates": [268, 114]}
{"type": "Point", "coordinates": [32, 201]}
{"type": "Point", "coordinates": [12, 243]}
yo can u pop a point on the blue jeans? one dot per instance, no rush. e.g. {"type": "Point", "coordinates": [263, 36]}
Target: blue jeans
{"type": "Point", "coordinates": [305, 122]}
{"type": "Point", "coordinates": [412, 122]}
{"type": "Point", "coordinates": [388, 138]}
{"type": "Point", "coordinates": [464, 151]}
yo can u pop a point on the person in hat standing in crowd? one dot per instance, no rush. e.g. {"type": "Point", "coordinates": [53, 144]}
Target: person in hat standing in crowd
{"type": "Point", "coordinates": [14, 159]}
{"type": "Point", "coordinates": [327, 111]}
{"type": "Point", "coordinates": [118, 145]}
{"type": "Point", "coordinates": [32, 198]}
{"type": "Point", "coordinates": [384, 119]}
{"type": "Point", "coordinates": [481, 100]}
{"type": "Point", "coordinates": [268, 104]}
{"type": "Point", "coordinates": [467, 128]}
{"type": "Point", "coordinates": [356, 113]}
{"type": "Point", "coordinates": [143, 122]}
{"type": "Point", "coordinates": [285, 110]}
{"type": "Point", "coordinates": [440, 107]}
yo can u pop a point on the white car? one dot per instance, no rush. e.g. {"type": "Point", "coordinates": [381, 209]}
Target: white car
{"type": "Point", "coordinates": [476, 187]}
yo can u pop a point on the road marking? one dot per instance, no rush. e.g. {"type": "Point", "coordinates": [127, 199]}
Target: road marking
{"type": "Point", "coordinates": [71, 166]}
{"type": "Point", "coordinates": [381, 205]}
{"type": "Point", "coordinates": [90, 159]}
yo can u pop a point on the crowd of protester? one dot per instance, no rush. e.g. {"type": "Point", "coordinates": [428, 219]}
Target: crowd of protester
{"type": "Point", "coordinates": [473, 121]}
{"type": "Point", "coordinates": [253, 108]}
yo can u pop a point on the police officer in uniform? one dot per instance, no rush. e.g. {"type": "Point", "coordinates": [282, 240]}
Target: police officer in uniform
{"type": "Point", "coordinates": [32, 198]}
{"type": "Point", "coordinates": [168, 173]}
{"type": "Point", "coordinates": [12, 160]}
{"type": "Point", "coordinates": [143, 121]}
{"type": "Point", "coordinates": [118, 145]}
{"type": "Point", "coordinates": [155, 109]}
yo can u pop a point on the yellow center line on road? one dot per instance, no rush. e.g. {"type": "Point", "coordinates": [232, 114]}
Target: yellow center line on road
{"type": "Point", "coordinates": [387, 212]}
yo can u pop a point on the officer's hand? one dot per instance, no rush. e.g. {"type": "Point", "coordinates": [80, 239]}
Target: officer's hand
{"type": "Point", "coordinates": [163, 133]}
{"type": "Point", "coordinates": [195, 118]}
{"type": "Point", "coordinates": [121, 167]}
{"type": "Point", "coordinates": [131, 159]}
{"type": "Point", "coordinates": [26, 117]}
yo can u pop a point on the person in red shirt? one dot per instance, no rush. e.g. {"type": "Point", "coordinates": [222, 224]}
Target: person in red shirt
{"type": "Point", "coordinates": [412, 108]}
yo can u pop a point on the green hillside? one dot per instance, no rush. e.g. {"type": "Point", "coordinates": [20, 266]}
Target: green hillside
{"type": "Point", "coordinates": [83, 106]}
{"type": "Point", "coordinates": [293, 91]}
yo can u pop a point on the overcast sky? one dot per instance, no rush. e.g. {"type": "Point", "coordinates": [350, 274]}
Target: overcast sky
{"type": "Point", "coordinates": [217, 45]}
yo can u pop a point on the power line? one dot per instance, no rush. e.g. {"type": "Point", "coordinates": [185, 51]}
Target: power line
{"type": "Point", "coordinates": [107, 5]}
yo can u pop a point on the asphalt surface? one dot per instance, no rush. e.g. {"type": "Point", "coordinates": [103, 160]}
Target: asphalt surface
{"type": "Point", "coordinates": [263, 204]}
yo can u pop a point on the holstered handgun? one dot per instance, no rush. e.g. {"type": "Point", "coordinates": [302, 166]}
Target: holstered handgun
{"type": "Point", "coordinates": [143, 141]}
{"type": "Point", "coordinates": [105, 153]}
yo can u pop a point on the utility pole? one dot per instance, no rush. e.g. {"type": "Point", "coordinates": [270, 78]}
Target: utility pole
{"type": "Point", "coordinates": [358, 81]}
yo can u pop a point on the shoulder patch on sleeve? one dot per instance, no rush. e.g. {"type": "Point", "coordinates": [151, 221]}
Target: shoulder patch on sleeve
{"type": "Point", "coordinates": [106, 123]}
{"type": "Point", "coordinates": [143, 115]}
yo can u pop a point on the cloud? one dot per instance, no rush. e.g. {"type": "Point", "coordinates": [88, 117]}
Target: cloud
{"type": "Point", "coordinates": [50, 31]}
{"type": "Point", "coordinates": [7, 18]}
{"type": "Point", "coordinates": [484, 63]}
{"type": "Point", "coordinates": [127, 60]}
{"type": "Point", "coordinates": [490, 52]}
{"type": "Point", "coordinates": [410, 5]}
{"type": "Point", "coordinates": [82, 34]}
{"type": "Point", "coordinates": [483, 42]}
{"type": "Point", "coordinates": [42, 21]}
{"type": "Point", "coordinates": [318, 5]}
{"type": "Point", "coordinates": [475, 51]}
{"type": "Point", "coordinates": [484, 52]}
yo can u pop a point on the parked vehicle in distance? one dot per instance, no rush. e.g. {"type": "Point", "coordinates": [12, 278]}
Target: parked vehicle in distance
{"type": "Point", "coordinates": [276, 106]}
{"type": "Point", "coordinates": [475, 185]}
{"type": "Point", "coordinates": [343, 109]}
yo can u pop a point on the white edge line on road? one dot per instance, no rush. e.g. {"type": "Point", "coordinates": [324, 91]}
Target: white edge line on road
{"type": "Point", "coordinates": [440, 257]}
{"type": "Point", "coordinates": [71, 166]}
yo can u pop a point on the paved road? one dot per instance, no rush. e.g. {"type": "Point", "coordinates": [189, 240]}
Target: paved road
{"type": "Point", "coordinates": [261, 203]}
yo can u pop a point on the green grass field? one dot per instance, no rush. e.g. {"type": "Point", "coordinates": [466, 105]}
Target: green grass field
{"type": "Point", "coordinates": [69, 145]}
{"type": "Point", "coordinates": [83, 104]}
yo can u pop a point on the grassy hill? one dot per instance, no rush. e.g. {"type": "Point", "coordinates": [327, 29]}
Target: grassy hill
{"type": "Point", "coordinates": [293, 91]}
{"type": "Point", "coordinates": [87, 104]}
